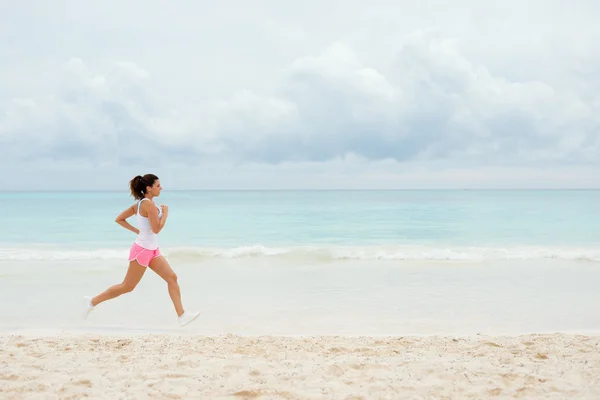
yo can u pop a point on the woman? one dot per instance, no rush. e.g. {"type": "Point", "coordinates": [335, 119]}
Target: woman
{"type": "Point", "coordinates": [145, 251]}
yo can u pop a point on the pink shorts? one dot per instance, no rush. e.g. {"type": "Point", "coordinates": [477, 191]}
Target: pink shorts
{"type": "Point", "coordinates": [142, 255]}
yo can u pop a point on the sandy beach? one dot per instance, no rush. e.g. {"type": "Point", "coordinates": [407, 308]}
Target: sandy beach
{"type": "Point", "coordinates": [549, 366]}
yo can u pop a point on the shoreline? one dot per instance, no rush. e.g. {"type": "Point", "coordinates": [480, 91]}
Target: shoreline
{"type": "Point", "coordinates": [534, 365]}
{"type": "Point", "coordinates": [179, 332]}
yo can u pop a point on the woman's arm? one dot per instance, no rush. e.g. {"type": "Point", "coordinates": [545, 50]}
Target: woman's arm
{"type": "Point", "coordinates": [122, 219]}
{"type": "Point", "coordinates": [156, 224]}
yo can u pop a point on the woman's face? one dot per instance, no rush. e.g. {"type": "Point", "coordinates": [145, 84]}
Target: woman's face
{"type": "Point", "coordinates": [155, 189]}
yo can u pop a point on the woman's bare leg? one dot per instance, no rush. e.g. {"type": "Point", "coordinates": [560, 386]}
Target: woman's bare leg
{"type": "Point", "coordinates": [134, 275]}
{"type": "Point", "coordinates": [161, 266]}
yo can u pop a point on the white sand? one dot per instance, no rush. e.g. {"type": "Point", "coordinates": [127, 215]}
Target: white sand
{"type": "Point", "coordinates": [555, 366]}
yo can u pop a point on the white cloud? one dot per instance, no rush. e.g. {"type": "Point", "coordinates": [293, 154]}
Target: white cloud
{"type": "Point", "coordinates": [432, 104]}
{"type": "Point", "coordinates": [270, 88]}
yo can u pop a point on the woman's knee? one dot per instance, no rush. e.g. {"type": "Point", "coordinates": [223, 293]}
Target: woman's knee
{"type": "Point", "coordinates": [127, 287]}
{"type": "Point", "coordinates": [172, 278]}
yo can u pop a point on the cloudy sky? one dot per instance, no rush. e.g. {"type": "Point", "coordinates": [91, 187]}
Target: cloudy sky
{"type": "Point", "coordinates": [305, 94]}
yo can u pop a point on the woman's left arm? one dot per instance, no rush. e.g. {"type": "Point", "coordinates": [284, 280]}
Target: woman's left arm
{"type": "Point", "coordinates": [122, 219]}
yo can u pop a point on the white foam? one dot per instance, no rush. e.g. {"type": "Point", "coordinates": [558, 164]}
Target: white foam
{"type": "Point", "coordinates": [324, 253]}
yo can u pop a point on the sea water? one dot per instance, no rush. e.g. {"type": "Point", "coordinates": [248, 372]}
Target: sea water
{"type": "Point", "coordinates": [311, 262]}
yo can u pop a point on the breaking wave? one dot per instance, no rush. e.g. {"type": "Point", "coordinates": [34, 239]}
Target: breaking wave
{"type": "Point", "coordinates": [320, 253]}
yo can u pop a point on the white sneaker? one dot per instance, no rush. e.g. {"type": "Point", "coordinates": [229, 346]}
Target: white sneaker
{"type": "Point", "coordinates": [88, 307]}
{"type": "Point", "coordinates": [186, 318]}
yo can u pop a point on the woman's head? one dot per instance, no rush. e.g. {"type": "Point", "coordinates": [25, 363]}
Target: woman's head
{"type": "Point", "coordinates": [142, 185]}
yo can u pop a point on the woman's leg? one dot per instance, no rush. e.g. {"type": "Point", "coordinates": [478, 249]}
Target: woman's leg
{"type": "Point", "coordinates": [161, 266]}
{"type": "Point", "coordinates": [132, 278]}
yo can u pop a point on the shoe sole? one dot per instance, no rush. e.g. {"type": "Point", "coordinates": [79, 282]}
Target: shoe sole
{"type": "Point", "coordinates": [191, 320]}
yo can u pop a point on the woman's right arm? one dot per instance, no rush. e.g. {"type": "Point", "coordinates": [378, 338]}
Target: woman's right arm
{"type": "Point", "coordinates": [156, 224]}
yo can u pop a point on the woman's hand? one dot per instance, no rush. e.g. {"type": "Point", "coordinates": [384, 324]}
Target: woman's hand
{"type": "Point", "coordinates": [165, 209]}
{"type": "Point", "coordinates": [122, 219]}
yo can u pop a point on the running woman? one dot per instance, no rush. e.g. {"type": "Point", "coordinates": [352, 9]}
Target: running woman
{"type": "Point", "coordinates": [145, 252]}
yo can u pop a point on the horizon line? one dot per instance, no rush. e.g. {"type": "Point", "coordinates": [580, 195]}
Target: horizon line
{"type": "Point", "coordinates": [307, 190]}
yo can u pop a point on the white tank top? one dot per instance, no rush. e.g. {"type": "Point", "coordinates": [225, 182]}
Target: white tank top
{"type": "Point", "coordinates": [146, 238]}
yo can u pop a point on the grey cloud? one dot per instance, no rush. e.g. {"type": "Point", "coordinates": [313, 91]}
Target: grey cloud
{"type": "Point", "coordinates": [433, 103]}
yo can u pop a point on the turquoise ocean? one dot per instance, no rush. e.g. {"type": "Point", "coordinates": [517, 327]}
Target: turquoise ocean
{"type": "Point", "coordinates": [311, 262]}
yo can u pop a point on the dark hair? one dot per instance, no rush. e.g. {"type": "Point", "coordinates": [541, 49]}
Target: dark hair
{"type": "Point", "coordinates": [138, 185]}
